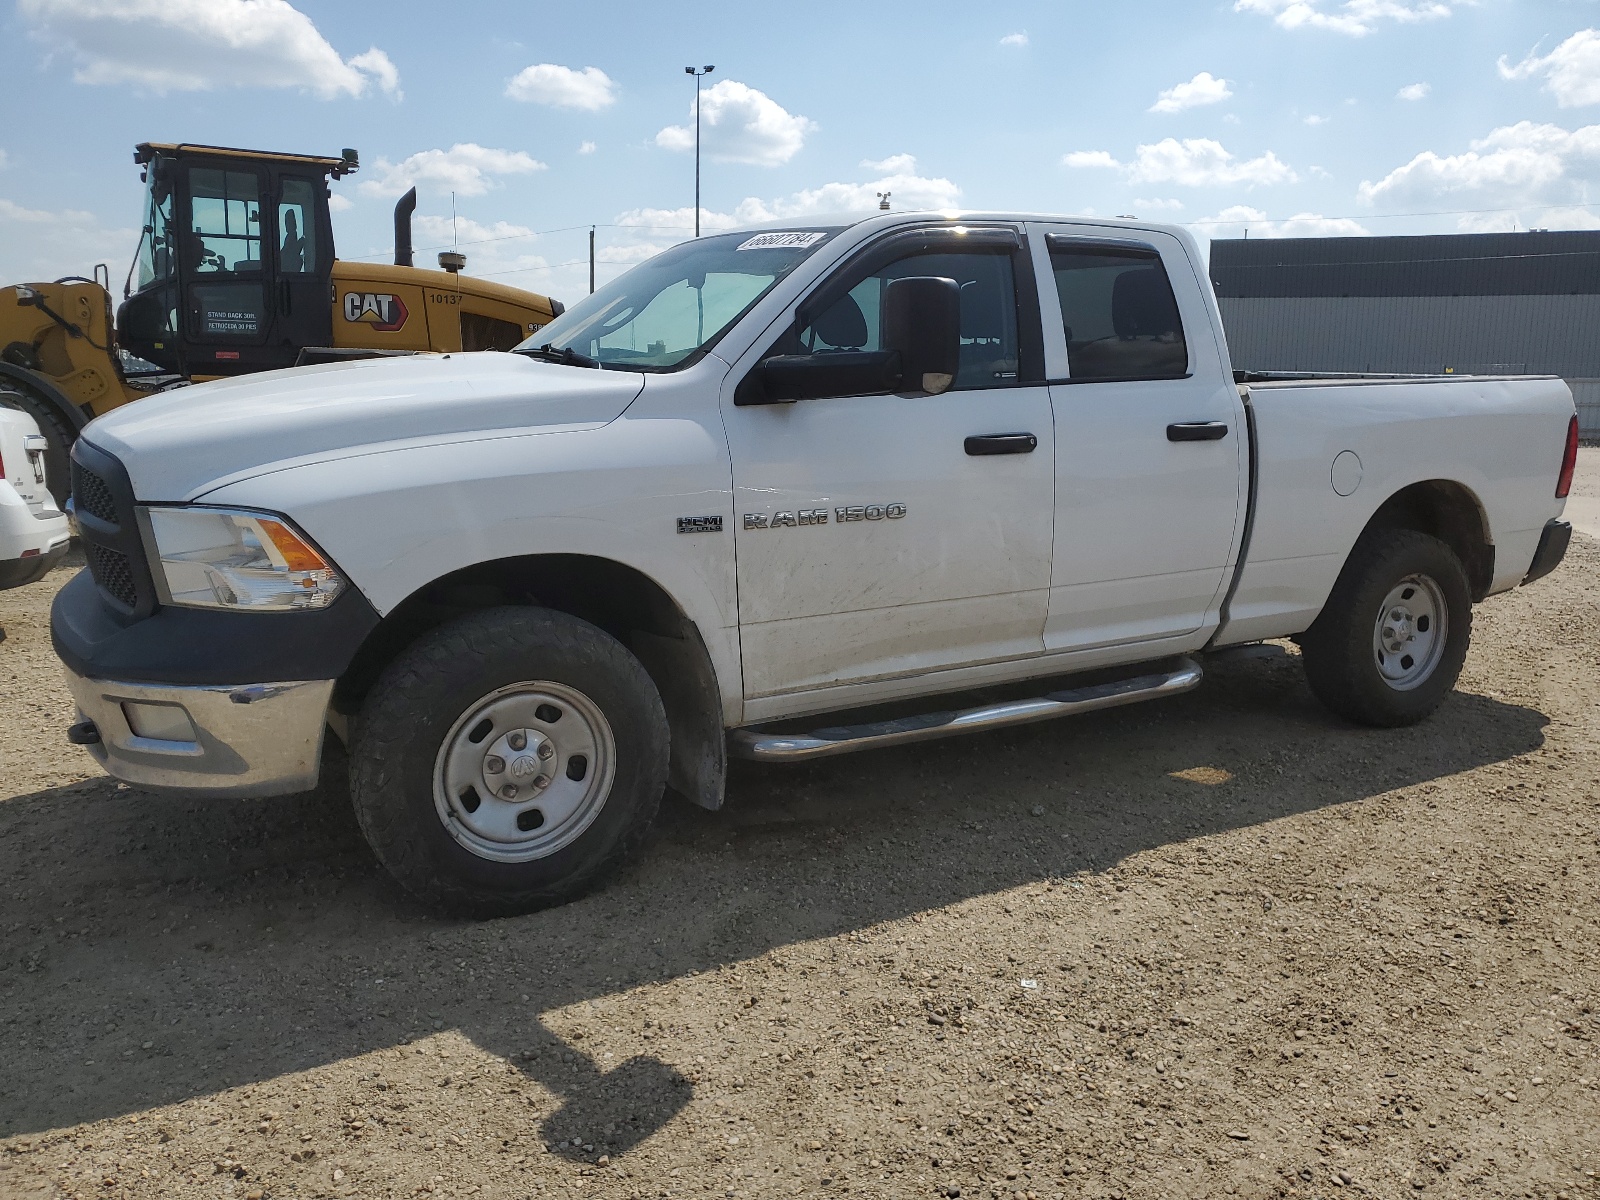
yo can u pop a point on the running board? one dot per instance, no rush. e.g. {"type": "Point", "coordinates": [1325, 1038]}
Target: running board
{"type": "Point", "coordinates": [822, 743]}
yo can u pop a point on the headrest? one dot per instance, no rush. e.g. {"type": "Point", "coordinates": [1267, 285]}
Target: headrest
{"type": "Point", "coordinates": [842, 325]}
{"type": "Point", "coordinates": [1142, 304]}
{"type": "Point", "coordinates": [980, 311]}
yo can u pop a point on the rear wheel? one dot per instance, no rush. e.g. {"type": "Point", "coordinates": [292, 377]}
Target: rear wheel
{"type": "Point", "coordinates": [57, 432]}
{"type": "Point", "coordinates": [1394, 633]}
{"type": "Point", "coordinates": [508, 761]}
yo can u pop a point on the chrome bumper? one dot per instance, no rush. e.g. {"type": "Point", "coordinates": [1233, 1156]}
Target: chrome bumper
{"type": "Point", "coordinates": [262, 739]}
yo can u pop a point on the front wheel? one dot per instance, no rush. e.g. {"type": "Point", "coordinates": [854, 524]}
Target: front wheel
{"type": "Point", "coordinates": [508, 761]}
{"type": "Point", "coordinates": [1394, 633]}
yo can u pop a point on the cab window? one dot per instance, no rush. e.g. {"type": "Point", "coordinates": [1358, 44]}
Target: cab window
{"type": "Point", "coordinates": [155, 245]}
{"type": "Point", "coordinates": [1118, 312]}
{"type": "Point", "coordinates": [297, 228]}
{"type": "Point", "coordinates": [225, 220]}
{"type": "Point", "coordinates": [989, 354]}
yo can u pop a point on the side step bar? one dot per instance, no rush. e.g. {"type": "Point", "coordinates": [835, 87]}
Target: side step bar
{"type": "Point", "coordinates": [822, 743]}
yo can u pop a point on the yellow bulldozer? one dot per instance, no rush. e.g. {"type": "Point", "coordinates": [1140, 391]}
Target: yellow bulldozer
{"type": "Point", "coordinates": [235, 272]}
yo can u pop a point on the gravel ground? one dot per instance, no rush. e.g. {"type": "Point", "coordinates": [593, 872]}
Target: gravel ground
{"type": "Point", "coordinates": [1219, 945]}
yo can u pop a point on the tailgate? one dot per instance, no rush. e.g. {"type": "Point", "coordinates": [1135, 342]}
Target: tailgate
{"type": "Point", "coordinates": [22, 452]}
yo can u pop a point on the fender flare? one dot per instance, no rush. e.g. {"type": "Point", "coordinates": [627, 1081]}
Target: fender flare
{"type": "Point", "coordinates": [47, 391]}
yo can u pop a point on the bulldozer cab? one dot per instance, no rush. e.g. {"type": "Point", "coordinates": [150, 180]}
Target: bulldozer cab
{"type": "Point", "coordinates": [234, 268]}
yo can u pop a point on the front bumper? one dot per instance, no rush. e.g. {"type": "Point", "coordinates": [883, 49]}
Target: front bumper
{"type": "Point", "coordinates": [262, 739]}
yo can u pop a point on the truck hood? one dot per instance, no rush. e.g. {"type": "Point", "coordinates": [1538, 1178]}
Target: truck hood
{"type": "Point", "coordinates": [180, 444]}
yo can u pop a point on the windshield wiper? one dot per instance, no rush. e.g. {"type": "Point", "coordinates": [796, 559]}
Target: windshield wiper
{"type": "Point", "coordinates": [567, 356]}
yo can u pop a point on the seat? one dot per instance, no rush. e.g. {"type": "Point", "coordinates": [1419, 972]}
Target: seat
{"type": "Point", "coordinates": [983, 334]}
{"type": "Point", "coordinates": [1142, 305]}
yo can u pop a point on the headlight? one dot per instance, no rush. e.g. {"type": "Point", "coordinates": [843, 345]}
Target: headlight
{"type": "Point", "coordinates": [222, 558]}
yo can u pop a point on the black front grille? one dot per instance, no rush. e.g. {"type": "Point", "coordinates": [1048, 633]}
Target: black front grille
{"type": "Point", "coordinates": [91, 494]}
{"type": "Point", "coordinates": [113, 572]}
{"type": "Point", "coordinates": [103, 498]}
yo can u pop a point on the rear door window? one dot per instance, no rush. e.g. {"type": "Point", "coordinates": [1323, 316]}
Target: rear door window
{"type": "Point", "coordinates": [1120, 316]}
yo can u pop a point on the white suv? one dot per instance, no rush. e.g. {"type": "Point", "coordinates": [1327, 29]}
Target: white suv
{"type": "Point", "coordinates": [33, 532]}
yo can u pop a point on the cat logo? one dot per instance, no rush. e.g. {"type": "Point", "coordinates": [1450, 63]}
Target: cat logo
{"type": "Point", "coordinates": [385, 313]}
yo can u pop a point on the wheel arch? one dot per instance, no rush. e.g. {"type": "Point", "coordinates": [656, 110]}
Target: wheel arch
{"type": "Point", "coordinates": [616, 597]}
{"type": "Point", "coordinates": [1451, 512]}
{"type": "Point", "coordinates": [46, 391]}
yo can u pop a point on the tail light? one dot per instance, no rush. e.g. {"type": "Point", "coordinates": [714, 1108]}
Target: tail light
{"type": "Point", "coordinates": [1569, 461]}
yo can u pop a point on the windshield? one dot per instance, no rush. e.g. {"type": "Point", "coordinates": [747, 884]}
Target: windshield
{"type": "Point", "coordinates": [154, 261]}
{"type": "Point", "coordinates": [668, 311]}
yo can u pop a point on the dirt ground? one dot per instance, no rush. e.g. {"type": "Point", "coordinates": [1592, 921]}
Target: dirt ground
{"type": "Point", "coordinates": [1220, 945]}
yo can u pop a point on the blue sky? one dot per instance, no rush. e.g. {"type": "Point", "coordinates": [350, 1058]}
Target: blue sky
{"type": "Point", "coordinates": [1284, 116]}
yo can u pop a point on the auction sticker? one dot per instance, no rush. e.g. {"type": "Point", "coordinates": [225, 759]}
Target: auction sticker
{"type": "Point", "coordinates": [781, 241]}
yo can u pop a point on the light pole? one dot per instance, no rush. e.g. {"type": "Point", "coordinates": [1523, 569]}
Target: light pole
{"type": "Point", "coordinates": [698, 74]}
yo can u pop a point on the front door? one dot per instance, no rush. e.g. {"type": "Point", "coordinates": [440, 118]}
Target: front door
{"type": "Point", "coordinates": [1151, 446]}
{"type": "Point", "coordinates": [228, 311]}
{"type": "Point", "coordinates": [886, 535]}
{"type": "Point", "coordinates": [304, 257]}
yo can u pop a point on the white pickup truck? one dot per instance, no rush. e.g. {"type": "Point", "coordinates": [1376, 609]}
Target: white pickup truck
{"type": "Point", "coordinates": [856, 469]}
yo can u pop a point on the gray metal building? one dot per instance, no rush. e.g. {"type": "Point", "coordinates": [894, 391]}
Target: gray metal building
{"type": "Point", "coordinates": [1491, 303]}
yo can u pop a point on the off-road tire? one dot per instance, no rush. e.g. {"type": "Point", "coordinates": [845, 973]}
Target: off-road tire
{"type": "Point", "coordinates": [410, 711]}
{"type": "Point", "coordinates": [56, 431]}
{"type": "Point", "coordinates": [1338, 650]}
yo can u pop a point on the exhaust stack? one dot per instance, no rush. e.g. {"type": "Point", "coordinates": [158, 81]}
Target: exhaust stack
{"type": "Point", "coordinates": [403, 209]}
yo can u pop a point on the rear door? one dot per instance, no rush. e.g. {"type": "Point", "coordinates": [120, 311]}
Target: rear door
{"type": "Point", "coordinates": [1151, 450]}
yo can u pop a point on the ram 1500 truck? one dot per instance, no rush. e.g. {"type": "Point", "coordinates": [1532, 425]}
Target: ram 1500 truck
{"type": "Point", "coordinates": [860, 469]}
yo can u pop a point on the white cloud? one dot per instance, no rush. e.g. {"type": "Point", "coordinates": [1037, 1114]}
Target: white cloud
{"type": "Point", "coordinates": [467, 169]}
{"type": "Point", "coordinates": [197, 45]}
{"type": "Point", "coordinates": [338, 203]}
{"type": "Point", "coordinates": [1314, 119]}
{"type": "Point", "coordinates": [1234, 220]}
{"type": "Point", "coordinates": [1515, 165]}
{"type": "Point", "coordinates": [895, 164]}
{"type": "Point", "coordinates": [1091, 159]}
{"type": "Point", "coordinates": [740, 124]}
{"type": "Point", "coordinates": [586, 148]}
{"type": "Point", "coordinates": [36, 244]}
{"type": "Point", "coordinates": [1354, 17]}
{"type": "Point", "coordinates": [1203, 89]}
{"type": "Point", "coordinates": [1015, 39]}
{"type": "Point", "coordinates": [590, 89]}
{"type": "Point", "coordinates": [1192, 162]}
{"type": "Point", "coordinates": [1571, 71]}
{"type": "Point", "coordinates": [1414, 91]}
{"type": "Point", "coordinates": [909, 189]}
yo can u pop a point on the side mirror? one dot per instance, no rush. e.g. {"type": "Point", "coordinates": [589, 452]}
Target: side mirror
{"type": "Point", "coordinates": [786, 377]}
{"type": "Point", "coordinates": [922, 322]}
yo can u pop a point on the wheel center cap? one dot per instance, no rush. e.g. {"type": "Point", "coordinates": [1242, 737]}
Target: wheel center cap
{"type": "Point", "coordinates": [524, 766]}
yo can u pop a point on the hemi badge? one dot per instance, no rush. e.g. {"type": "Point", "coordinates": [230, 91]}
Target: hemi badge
{"type": "Point", "coordinates": [699, 524]}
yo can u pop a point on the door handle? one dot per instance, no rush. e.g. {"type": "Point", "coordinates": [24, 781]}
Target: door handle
{"type": "Point", "coordinates": [1001, 443]}
{"type": "Point", "coordinates": [1197, 431]}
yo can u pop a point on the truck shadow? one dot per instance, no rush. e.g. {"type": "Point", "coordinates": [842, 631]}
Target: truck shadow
{"type": "Point", "coordinates": [153, 949]}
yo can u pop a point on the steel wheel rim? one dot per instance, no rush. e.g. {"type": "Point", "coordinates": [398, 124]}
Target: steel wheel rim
{"type": "Point", "coordinates": [1408, 638]}
{"type": "Point", "coordinates": [524, 771]}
